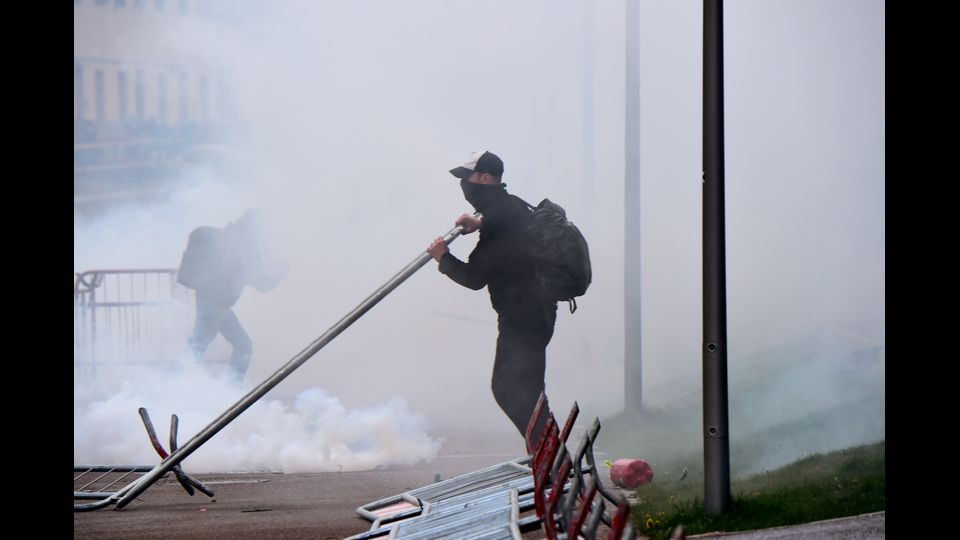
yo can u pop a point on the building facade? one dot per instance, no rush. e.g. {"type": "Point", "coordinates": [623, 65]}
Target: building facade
{"type": "Point", "coordinates": [143, 100]}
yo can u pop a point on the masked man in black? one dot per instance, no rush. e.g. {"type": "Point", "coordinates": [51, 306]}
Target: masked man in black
{"type": "Point", "coordinates": [499, 262]}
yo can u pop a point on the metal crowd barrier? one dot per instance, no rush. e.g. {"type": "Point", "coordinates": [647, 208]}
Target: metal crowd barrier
{"type": "Point", "coordinates": [546, 489]}
{"type": "Point", "coordinates": [128, 317]}
{"type": "Point", "coordinates": [93, 490]}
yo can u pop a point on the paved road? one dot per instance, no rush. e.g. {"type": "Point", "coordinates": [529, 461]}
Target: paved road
{"type": "Point", "coordinates": [264, 505]}
{"type": "Point", "coordinates": [323, 505]}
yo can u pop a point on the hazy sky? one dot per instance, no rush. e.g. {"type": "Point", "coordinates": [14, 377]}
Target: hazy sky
{"type": "Point", "coordinates": [354, 112]}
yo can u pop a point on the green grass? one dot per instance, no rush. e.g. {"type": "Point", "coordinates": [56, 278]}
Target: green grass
{"type": "Point", "coordinates": [818, 487]}
{"type": "Point", "coordinates": [789, 409]}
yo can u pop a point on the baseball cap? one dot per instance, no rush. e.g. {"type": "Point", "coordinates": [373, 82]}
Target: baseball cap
{"type": "Point", "coordinates": [480, 161]}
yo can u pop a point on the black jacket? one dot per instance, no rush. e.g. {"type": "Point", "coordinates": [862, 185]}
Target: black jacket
{"type": "Point", "coordinates": [500, 263]}
{"type": "Point", "coordinates": [219, 263]}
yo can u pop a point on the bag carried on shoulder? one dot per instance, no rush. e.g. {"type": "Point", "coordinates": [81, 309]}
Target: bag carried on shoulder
{"type": "Point", "coordinates": [560, 252]}
{"type": "Point", "coordinates": [198, 267]}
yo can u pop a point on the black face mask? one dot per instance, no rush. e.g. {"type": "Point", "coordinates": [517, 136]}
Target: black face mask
{"type": "Point", "coordinates": [479, 195]}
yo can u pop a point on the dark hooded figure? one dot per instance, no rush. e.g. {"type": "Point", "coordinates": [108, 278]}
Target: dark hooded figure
{"type": "Point", "coordinates": [525, 321]}
{"type": "Point", "coordinates": [218, 264]}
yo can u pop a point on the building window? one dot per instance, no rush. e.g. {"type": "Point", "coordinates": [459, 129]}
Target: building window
{"type": "Point", "coordinates": [100, 2]}
{"type": "Point", "coordinates": [120, 3]}
{"type": "Point", "coordinates": [139, 3]}
{"type": "Point", "coordinates": [160, 4]}
{"type": "Point", "coordinates": [184, 96]}
{"type": "Point", "coordinates": [139, 96]}
{"type": "Point", "coordinates": [183, 7]}
{"type": "Point", "coordinates": [78, 89]}
{"type": "Point", "coordinates": [101, 97]}
{"type": "Point", "coordinates": [122, 94]}
{"type": "Point", "coordinates": [162, 97]}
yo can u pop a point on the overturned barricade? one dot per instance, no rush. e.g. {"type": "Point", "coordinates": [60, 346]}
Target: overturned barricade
{"type": "Point", "coordinates": [170, 462]}
{"type": "Point", "coordinates": [96, 489]}
{"type": "Point", "coordinates": [547, 489]}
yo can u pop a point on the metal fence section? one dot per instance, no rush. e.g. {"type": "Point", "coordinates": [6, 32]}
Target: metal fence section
{"type": "Point", "coordinates": [94, 481]}
{"type": "Point", "coordinates": [134, 316]}
{"type": "Point", "coordinates": [549, 489]}
{"type": "Point", "coordinates": [97, 487]}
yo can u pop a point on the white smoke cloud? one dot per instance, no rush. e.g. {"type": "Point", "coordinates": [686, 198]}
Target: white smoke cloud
{"type": "Point", "coordinates": [315, 433]}
{"type": "Point", "coordinates": [353, 112]}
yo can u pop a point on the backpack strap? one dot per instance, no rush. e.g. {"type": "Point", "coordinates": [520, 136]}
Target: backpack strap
{"type": "Point", "coordinates": [530, 206]}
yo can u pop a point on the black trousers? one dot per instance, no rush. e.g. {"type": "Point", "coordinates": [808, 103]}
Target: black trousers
{"type": "Point", "coordinates": [520, 365]}
{"type": "Point", "coordinates": [213, 319]}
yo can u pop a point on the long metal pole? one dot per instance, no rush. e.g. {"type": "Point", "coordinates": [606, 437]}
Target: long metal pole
{"type": "Point", "coordinates": [716, 444]}
{"type": "Point", "coordinates": [632, 364]}
{"type": "Point", "coordinates": [128, 493]}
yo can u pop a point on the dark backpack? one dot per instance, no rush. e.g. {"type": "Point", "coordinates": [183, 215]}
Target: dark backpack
{"type": "Point", "coordinates": [560, 253]}
{"type": "Point", "coordinates": [199, 267]}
